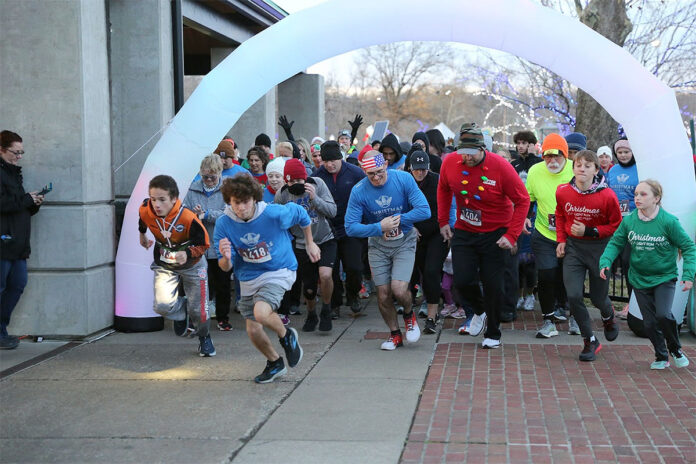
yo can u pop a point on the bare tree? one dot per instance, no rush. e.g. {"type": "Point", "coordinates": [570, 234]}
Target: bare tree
{"type": "Point", "coordinates": [398, 71]}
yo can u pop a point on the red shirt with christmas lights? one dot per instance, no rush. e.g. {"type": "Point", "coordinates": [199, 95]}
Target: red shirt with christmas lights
{"type": "Point", "coordinates": [489, 195]}
{"type": "Point", "coordinates": [597, 208]}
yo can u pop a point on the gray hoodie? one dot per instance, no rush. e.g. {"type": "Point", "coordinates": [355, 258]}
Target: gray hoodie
{"type": "Point", "coordinates": [320, 208]}
{"type": "Point", "coordinates": [211, 203]}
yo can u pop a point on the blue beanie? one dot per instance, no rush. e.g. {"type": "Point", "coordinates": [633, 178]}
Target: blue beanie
{"type": "Point", "coordinates": [576, 141]}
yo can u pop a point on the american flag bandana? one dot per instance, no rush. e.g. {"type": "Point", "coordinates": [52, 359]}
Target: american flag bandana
{"type": "Point", "coordinates": [376, 161]}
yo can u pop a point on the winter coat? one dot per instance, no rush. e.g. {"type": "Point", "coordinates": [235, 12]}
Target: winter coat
{"type": "Point", "coordinates": [340, 187]}
{"type": "Point", "coordinates": [16, 209]}
{"type": "Point", "coordinates": [213, 205]}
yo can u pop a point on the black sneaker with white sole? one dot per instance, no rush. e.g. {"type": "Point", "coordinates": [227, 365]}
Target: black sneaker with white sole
{"type": "Point", "coordinates": [291, 345]}
{"type": "Point", "coordinates": [430, 326]}
{"type": "Point", "coordinates": [181, 326]}
{"type": "Point", "coordinates": [273, 369]}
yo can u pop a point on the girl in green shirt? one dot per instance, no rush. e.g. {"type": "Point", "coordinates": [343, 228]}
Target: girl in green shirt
{"type": "Point", "coordinates": [655, 237]}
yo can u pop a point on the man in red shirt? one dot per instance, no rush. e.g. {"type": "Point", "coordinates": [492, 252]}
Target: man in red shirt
{"type": "Point", "coordinates": [492, 204]}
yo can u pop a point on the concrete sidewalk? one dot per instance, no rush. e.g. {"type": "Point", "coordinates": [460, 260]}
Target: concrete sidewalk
{"type": "Point", "coordinates": [150, 398]}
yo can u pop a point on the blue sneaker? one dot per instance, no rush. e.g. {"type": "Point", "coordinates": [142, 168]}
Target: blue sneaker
{"type": "Point", "coordinates": [680, 359]}
{"type": "Point", "coordinates": [205, 347]}
{"type": "Point", "coordinates": [659, 365]}
{"type": "Point", "coordinates": [464, 328]}
{"type": "Point", "coordinates": [293, 350]}
{"type": "Point", "coordinates": [273, 369]}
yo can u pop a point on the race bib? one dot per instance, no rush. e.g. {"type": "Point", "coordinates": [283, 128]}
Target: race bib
{"type": "Point", "coordinates": [471, 216]}
{"type": "Point", "coordinates": [256, 254]}
{"type": "Point", "coordinates": [624, 206]}
{"type": "Point", "coordinates": [394, 234]}
{"type": "Point", "coordinates": [168, 256]}
{"type": "Point", "coordinates": [552, 222]}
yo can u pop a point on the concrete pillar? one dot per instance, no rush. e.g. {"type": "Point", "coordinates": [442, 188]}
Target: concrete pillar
{"type": "Point", "coordinates": [142, 85]}
{"type": "Point", "coordinates": [261, 117]}
{"type": "Point", "coordinates": [55, 77]}
{"type": "Point", "coordinates": [301, 99]}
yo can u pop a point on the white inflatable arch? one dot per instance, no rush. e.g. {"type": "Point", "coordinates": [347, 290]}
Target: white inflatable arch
{"type": "Point", "coordinates": [644, 105]}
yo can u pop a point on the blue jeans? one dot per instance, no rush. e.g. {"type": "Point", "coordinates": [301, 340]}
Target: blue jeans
{"type": "Point", "coordinates": [13, 279]}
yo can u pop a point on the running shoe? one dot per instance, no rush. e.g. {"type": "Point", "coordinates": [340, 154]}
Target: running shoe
{"type": "Point", "coordinates": [419, 293]}
{"type": "Point", "coordinates": [335, 313]}
{"type": "Point", "coordinates": [294, 310]}
{"type": "Point", "coordinates": [364, 292]}
{"type": "Point", "coordinates": [507, 316]}
{"type": "Point", "coordinates": [559, 314]}
{"type": "Point", "coordinates": [547, 330]}
{"type": "Point", "coordinates": [458, 314]}
{"type": "Point", "coordinates": [273, 369]}
{"type": "Point", "coordinates": [478, 323]}
{"type": "Point", "coordinates": [291, 345]}
{"type": "Point", "coordinates": [573, 328]}
{"type": "Point", "coordinates": [399, 309]}
{"type": "Point", "coordinates": [181, 326]}
{"type": "Point", "coordinates": [205, 347]}
{"type": "Point", "coordinates": [489, 343]}
{"type": "Point", "coordinates": [355, 306]}
{"type": "Point", "coordinates": [310, 322]}
{"type": "Point", "coordinates": [659, 365]}
{"type": "Point", "coordinates": [680, 359]}
{"type": "Point", "coordinates": [392, 343]}
{"type": "Point", "coordinates": [285, 318]}
{"type": "Point", "coordinates": [529, 303]}
{"type": "Point", "coordinates": [224, 325]}
{"type": "Point", "coordinates": [464, 328]}
{"type": "Point", "coordinates": [447, 310]}
{"type": "Point", "coordinates": [423, 310]}
{"type": "Point", "coordinates": [8, 342]}
{"type": "Point", "coordinates": [412, 330]}
{"type": "Point", "coordinates": [324, 321]}
{"type": "Point", "coordinates": [590, 350]}
{"type": "Point", "coordinates": [611, 330]}
{"type": "Point", "coordinates": [623, 314]}
{"type": "Point", "coordinates": [430, 326]}
{"type": "Point", "coordinates": [520, 303]}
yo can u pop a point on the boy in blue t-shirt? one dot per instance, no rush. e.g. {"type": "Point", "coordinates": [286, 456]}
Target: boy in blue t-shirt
{"type": "Point", "coordinates": [252, 236]}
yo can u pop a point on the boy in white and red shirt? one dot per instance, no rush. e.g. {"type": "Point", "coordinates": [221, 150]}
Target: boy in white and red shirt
{"type": "Point", "coordinates": [587, 214]}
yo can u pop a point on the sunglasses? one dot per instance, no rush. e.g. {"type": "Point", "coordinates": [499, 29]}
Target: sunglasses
{"type": "Point", "coordinates": [209, 177]}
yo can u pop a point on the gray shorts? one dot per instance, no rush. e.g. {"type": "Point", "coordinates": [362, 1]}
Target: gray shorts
{"type": "Point", "coordinates": [392, 259]}
{"type": "Point", "coordinates": [270, 293]}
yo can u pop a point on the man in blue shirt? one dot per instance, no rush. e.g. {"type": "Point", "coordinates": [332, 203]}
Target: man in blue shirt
{"type": "Point", "coordinates": [253, 235]}
{"type": "Point", "coordinates": [389, 203]}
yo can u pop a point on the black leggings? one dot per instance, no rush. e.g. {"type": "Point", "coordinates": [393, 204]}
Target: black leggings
{"type": "Point", "coordinates": [220, 288]}
{"type": "Point", "coordinates": [430, 256]}
{"type": "Point", "coordinates": [349, 252]}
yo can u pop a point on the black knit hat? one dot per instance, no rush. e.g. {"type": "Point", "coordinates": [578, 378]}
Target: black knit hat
{"type": "Point", "coordinates": [330, 151]}
{"type": "Point", "coordinates": [262, 139]}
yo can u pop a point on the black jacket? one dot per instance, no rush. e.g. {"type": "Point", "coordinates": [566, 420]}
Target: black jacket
{"type": "Point", "coordinates": [429, 188]}
{"type": "Point", "coordinates": [346, 179]}
{"type": "Point", "coordinates": [16, 209]}
{"type": "Point", "coordinates": [522, 164]}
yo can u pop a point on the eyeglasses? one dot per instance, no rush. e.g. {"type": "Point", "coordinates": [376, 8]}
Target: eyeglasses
{"type": "Point", "coordinates": [209, 177]}
{"type": "Point", "coordinates": [376, 173]}
{"type": "Point", "coordinates": [16, 153]}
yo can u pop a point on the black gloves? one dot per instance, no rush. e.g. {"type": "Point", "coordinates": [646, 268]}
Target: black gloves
{"type": "Point", "coordinates": [287, 126]}
{"type": "Point", "coordinates": [355, 125]}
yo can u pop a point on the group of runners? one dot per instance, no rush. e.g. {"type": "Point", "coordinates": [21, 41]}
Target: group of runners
{"type": "Point", "coordinates": [313, 227]}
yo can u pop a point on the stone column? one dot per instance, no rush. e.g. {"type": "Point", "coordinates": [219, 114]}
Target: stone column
{"type": "Point", "coordinates": [54, 77]}
{"type": "Point", "coordinates": [301, 99]}
{"type": "Point", "coordinates": [142, 86]}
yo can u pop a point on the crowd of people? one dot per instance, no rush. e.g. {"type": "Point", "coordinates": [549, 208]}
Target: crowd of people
{"type": "Point", "coordinates": [419, 224]}
{"type": "Point", "coordinates": [434, 230]}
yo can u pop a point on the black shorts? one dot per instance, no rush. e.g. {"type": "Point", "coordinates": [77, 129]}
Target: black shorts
{"type": "Point", "coordinates": [309, 271]}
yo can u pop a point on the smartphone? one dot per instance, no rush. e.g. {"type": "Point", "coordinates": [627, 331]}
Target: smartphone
{"type": "Point", "coordinates": [46, 189]}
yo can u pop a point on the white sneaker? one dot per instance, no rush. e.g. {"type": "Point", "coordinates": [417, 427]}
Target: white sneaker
{"type": "Point", "coordinates": [478, 323]}
{"type": "Point", "coordinates": [520, 302]}
{"type": "Point", "coordinates": [529, 303]}
{"type": "Point", "coordinates": [393, 342]}
{"type": "Point", "coordinates": [490, 343]}
{"type": "Point", "coordinates": [547, 330]}
{"type": "Point", "coordinates": [413, 332]}
{"type": "Point", "coordinates": [573, 328]}
{"type": "Point", "coordinates": [423, 311]}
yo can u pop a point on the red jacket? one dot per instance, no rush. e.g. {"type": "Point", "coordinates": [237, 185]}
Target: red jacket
{"type": "Point", "coordinates": [502, 200]}
{"type": "Point", "coordinates": [598, 210]}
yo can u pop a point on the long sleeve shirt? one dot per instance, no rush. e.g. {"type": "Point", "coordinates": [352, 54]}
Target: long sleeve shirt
{"type": "Point", "coordinates": [654, 246]}
{"type": "Point", "coordinates": [489, 195]}
{"type": "Point", "coordinates": [541, 186]}
{"type": "Point", "coordinates": [368, 205]}
{"type": "Point", "coordinates": [599, 210]}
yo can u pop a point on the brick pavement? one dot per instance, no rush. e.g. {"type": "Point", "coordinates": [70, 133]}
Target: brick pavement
{"type": "Point", "coordinates": [538, 403]}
